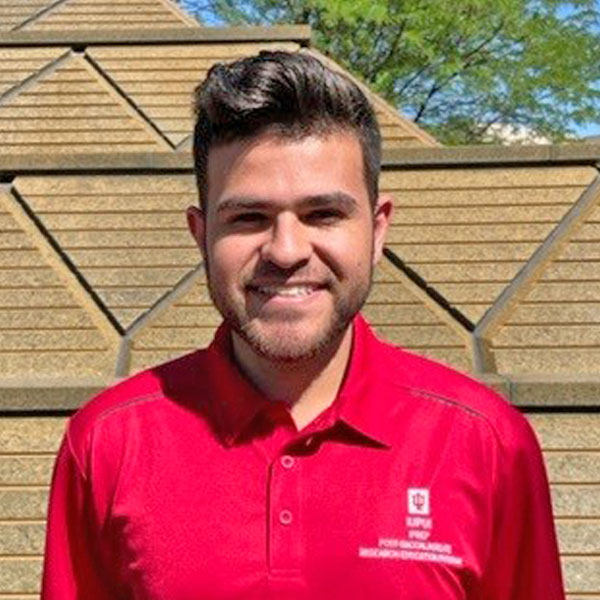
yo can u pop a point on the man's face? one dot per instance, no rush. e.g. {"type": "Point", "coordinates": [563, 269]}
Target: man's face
{"type": "Point", "coordinates": [289, 239]}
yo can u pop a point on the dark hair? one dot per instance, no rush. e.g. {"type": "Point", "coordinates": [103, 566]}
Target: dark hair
{"type": "Point", "coordinates": [289, 93]}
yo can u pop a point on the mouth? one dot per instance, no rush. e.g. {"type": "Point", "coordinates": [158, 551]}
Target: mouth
{"type": "Point", "coordinates": [291, 291]}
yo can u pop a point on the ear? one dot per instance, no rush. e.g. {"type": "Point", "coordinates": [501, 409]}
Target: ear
{"type": "Point", "coordinates": [381, 221]}
{"type": "Point", "coordinates": [196, 225]}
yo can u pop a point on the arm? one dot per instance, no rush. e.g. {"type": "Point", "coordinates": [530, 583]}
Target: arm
{"type": "Point", "coordinates": [523, 563]}
{"type": "Point", "coordinates": [72, 566]}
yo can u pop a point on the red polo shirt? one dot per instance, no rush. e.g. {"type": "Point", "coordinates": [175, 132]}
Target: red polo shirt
{"type": "Point", "coordinates": [184, 483]}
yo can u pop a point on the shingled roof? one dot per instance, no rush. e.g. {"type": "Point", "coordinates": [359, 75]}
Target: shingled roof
{"type": "Point", "coordinates": [98, 277]}
{"type": "Point", "coordinates": [491, 265]}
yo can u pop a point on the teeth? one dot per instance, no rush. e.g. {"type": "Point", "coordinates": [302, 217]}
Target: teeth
{"type": "Point", "coordinates": [287, 291]}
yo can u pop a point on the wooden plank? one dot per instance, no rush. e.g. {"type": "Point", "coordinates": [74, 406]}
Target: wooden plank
{"type": "Point", "coordinates": [61, 319]}
{"type": "Point", "coordinates": [582, 574]}
{"type": "Point", "coordinates": [134, 135]}
{"type": "Point", "coordinates": [486, 178]}
{"type": "Point", "coordinates": [219, 51]}
{"type": "Point", "coordinates": [589, 232]}
{"type": "Point", "coordinates": [521, 197]}
{"type": "Point", "coordinates": [26, 469]}
{"type": "Point", "coordinates": [54, 364]}
{"type": "Point", "coordinates": [478, 272]}
{"type": "Point", "coordinates": [565, 291]}
{"type": "Point", "coordinates": [572, 466]}
{"type": "Point", "coordinates": [165, 203]}
{"type": "Point", "coordinates": [114, 123]}
{"type": "Point", "coordinates": [563, 336]}
{"type": "Point", "coordinates": [103, 257]}
{"type": "Point", "coordinates": [102, 185]}
{"type": "Point", "coordinates": [100, 277]}
{"type": "Point", "coordinates": [569, 431]}
{"type": "Point", "coordinates": [21, 539]}
{"type": "Point", "coordinates": [20, 575]}
{"type": "Point", "coordinates": [192, 317]}
{"type": "Point", "coordinates": [579, 537]}
{"type": "Point", "coordinates": [553, 361]}
{"type": "Point", "coordinates": [57, 339]}
{"type": "Point", "coordinates": [23, 503]}
{"type": "Point", "coordinates": [478, 214]}
{"type": "Point", "coordinates": [52, 298]}
{"type": "Point", "coordinates": [554, 313]}
{"type": "Point", "coordinates": [30, 435]}
{"type": "Point", "coordinates": [391, 314]}
{"type": "Point", "coordinates": [174, 238]}
{"type": "Point", "coordinates": [88, 111]}
{"type": "Point", "coordinates": [33, 277]}
{"type": "Point", "coordinates": [129, 297]}
{"type": "Point", "coordinates": [452, 254]}
{"type": "Point", "coordinates": [470, 292]}
{"type": "Point", "coordinates": [448, 233]}
{"type": "Point", "coordinates": [573, 500]}
{"type": "Point", "coordinates": [573, 271]}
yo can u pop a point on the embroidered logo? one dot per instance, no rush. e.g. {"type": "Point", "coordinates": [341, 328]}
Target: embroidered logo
{"type": "Point", "coordinates": [419, 543]}
{"type": "Point", "coordinates": [418, 501]}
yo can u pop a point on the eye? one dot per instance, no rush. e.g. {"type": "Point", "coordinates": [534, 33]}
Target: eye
{"type": "Point", "coordinates": [247, 218]}
{"type": "Point", "coordinates": [324, 216]}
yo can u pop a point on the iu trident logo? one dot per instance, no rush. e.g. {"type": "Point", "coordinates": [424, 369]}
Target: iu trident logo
{"type": "Point", "coordinates": [418, 501]}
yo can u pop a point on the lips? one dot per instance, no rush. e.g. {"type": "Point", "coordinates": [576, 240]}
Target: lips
{"type": "Point", "coordinates": [287, 290]}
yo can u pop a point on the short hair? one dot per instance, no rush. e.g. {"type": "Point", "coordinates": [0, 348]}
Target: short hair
{"type": "Point", "coordinates": [291, 94]}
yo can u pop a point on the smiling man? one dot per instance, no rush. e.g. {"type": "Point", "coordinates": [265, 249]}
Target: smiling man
{"type": "Point", "coordinates": [298, 457]}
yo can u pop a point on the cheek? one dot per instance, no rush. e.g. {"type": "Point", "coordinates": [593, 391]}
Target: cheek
{"type": "Point", "coordinates": [229, 258]}
{"type": "Point", "coordinates": [353, 253]}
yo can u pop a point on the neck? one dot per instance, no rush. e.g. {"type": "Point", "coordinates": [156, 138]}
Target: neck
{"type": "Point", "coordinates": [308, 386]}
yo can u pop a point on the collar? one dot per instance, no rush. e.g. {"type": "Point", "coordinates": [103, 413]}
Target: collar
{"type": "Point", "coordinates": [364, 399]}
{"type": "Point", "coordinates": [362, 402]}
{"type": "Point", "coordinates": [236, 401]}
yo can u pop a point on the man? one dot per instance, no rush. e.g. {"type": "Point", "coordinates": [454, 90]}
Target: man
{"type": "Point", "coordinates": [298, 456]}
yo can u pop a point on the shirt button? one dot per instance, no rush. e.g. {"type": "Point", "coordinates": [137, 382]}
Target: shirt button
{"type": "Point", "coordinates": [287, 462]}
{"type": "Point", "coordinates": [285, 517]}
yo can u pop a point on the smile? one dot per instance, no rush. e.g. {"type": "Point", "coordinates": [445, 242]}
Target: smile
{"type": "Point", "coordinates": [286, 291]}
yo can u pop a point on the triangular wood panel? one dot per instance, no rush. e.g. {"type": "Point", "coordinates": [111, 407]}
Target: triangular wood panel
{"type": "Point", "coordinates": [557, 324]}
{"type": "Point", "coordinates": [467, 232]}
{"type": "Point", "coordinates": [45, 331]}
{"type": "Point", "coordinates": [13, 13]}
{"type": "Point", "coordinates": [110, 14]}
{"type": "Point", "coordinates": [126, 235]}
{"type": "Point", "coordinates": [72, 109]}
{"type": "Point", "coordinates": [186, 323]}
{"type": "Point", "coordinates": [19, 64]}
{"type": "Point", "coordinates": [160, 80]}
{"type": "Point", "coordinates": [403, 314]}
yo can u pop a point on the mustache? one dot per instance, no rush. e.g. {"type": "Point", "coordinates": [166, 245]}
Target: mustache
{"type": "Point", "coordinates": [269, 273]}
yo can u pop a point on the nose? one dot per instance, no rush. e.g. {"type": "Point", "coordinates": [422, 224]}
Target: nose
{"type": "Point", "coordinates": [288, 244]}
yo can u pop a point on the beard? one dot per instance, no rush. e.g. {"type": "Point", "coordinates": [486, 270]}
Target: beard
{"type": "Point", "coordinates": [283, 340]}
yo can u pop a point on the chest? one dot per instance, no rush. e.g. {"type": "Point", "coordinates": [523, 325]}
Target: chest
{"type": "Point", "coordinates": [321, 522]}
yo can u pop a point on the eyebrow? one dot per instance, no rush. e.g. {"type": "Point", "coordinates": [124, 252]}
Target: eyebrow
{"type": "Point", "coordinates": [342, 200]}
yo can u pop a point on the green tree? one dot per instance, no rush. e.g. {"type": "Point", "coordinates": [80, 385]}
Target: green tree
{"type": "Point", "coordinates": [468, 71]}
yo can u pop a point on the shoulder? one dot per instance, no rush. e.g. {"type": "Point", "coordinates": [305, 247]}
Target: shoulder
{"type": "Point", "coordinates": [430, 381]}
{"type": "Point", "coordinates": [148, 390]}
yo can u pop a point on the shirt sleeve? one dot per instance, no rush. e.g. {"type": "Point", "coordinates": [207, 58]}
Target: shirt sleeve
{"type": "Point", "coordinates": [72, 565]}
{"type": "Point", "coordinates": [523, 563]}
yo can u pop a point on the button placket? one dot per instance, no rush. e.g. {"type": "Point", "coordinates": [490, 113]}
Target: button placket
{"type": "Point", "coordinates": [287, 461]}
{"type": "Point", "coordinates": [285, 524]}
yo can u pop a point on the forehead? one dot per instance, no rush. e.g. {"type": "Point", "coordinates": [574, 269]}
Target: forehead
{"type": "Point", "coordinates": [277, 169]}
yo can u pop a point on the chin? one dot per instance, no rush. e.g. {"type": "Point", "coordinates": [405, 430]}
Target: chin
{"type": "Point", "coordinates": [288, 345]}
